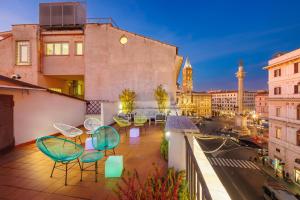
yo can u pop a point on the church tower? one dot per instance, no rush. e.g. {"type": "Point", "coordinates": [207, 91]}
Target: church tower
{"type": "Point", "coordinates": [187, 77]}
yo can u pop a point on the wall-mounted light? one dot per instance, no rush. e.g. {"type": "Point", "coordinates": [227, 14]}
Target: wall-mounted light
{"type": "Point", "coordinates": [123, 39]}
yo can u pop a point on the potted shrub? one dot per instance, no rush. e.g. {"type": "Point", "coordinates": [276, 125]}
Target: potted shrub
{"type": "Point", "coordinates": [127, 99]}
{"type": "Point", "coordinates": [161, 97]}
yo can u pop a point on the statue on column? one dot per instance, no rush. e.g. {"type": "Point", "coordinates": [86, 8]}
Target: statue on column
{"type": "Point", "coordinates": [241, 117]}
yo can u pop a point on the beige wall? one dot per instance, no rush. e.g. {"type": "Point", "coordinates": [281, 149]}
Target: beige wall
{"type": "Point", "coordinates": [6, 52]}
{"type": "Point", "coordinates": [29, 73]}
{"type": "Point", "coordinates": [141, 64]}
{"type": "Point", "coordinates": [8, 65]}
{"type": "Point", "coordinates": [36, 111]}
{"type": "Point", "coordinates": [261, 105]}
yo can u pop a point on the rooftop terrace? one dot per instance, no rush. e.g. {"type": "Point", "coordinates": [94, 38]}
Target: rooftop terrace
{"type": "Point", "coordinates": [25, 171]}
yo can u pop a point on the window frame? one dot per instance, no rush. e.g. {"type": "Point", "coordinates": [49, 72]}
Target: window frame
{"type": "Point", "coordinates": [76, 43]}
{"type": "Point", "coordinates": [277, 72]}
{"type": "Point", "coordinates": [278, 111]}
{"type": "Point", "coordinates": [53, 46]}
{"type": "Point", "coordinates": [298, 138]}
{"type": "Point", "coordinates": [277, 90]}
{"type": "Point", "coordinates": [18, 52]}
{"type": "Point", "coordinates": [296, 68]}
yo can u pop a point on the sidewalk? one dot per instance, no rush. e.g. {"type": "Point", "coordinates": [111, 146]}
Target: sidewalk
{"type": "Point", "coordinates": [268, 170]}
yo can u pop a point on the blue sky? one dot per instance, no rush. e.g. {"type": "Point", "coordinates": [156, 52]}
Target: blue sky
{"type": "Point", "coordinates": [215, 34]}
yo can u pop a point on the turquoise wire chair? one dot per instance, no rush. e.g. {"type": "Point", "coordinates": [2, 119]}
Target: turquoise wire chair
{"type": "Point", "coordinates": [105, 138]}
{"type": "Point", "coordinates": [60, 150]}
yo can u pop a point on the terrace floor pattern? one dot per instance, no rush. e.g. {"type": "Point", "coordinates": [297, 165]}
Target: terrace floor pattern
{"type": "Point", "coordinates": [25, 171]}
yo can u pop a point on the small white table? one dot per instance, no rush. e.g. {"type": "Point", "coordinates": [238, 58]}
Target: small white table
{"type": "Point", "coordinates": [134, 132]}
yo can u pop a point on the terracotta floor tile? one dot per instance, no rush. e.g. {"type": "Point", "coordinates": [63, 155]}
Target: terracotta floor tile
{"type": "Point", "coordinates": [25, 171]}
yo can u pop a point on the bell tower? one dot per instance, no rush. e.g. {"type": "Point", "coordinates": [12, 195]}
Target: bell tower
{"type": "Point", "coordinates": [187, 77]}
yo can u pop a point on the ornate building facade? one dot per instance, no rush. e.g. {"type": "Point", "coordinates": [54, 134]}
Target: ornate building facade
{"type": "Point", "coordinates": [190, 102]}
{"type": "Point", "coordinates": [284, 114]}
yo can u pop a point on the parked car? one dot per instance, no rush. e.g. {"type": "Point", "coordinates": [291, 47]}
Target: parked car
{"type": "Point", "coordinates": [248, 143]}
{"type": "Point", "coordinates": [274, 191]}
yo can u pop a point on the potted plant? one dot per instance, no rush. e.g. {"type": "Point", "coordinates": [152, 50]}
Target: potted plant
{"type": "Point", "coordinates": [161, 97]}
{"type": "Point", "coordinates": [127, 99]}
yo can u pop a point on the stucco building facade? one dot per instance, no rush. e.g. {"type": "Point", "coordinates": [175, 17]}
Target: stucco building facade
{"type": "Point", "coordinates": [226, 102]}
{"type": "Point", "coordinates": [94, 61]}
{"type": "Point", "coordinates": [284, 113]}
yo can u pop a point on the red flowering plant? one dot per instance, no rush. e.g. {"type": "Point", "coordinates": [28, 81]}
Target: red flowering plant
{"type": "Point", "coordinates": [158, 186]}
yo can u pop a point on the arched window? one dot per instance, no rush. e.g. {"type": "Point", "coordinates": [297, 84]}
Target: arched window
{"type": "Point", "coordinates": [298, 112]}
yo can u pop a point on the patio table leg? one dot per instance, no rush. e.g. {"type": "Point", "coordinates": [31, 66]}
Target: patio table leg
{"type": "Point", "coordinates": [80, 139]}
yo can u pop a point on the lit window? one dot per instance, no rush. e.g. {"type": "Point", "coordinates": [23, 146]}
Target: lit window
{"type": "Point", "coordinates": [297, 175]}
{"type": "Point", "coordinates": [49, 49]}
{"type": "Point", "coordinates": [56, 89]}
{"type": "Point", "coordinates": [278, 133]}
{"type": "Point", "coordinates": [65, 48]}
{"type": "Point", "coordinates": [79, 48]}
{"type": "Point", "coordinates": [23, 53]}
{"type": "Point", "coordinates": [57, 49]}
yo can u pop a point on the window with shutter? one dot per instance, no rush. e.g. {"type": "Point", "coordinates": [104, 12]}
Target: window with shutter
{"type": "Point", "coordinates": [295, 89]}
{"type": "Point", "coordinates": [296, 70]}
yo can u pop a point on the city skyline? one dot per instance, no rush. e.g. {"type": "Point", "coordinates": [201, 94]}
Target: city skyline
{"type": "Point", "coordinates": [214, 41]}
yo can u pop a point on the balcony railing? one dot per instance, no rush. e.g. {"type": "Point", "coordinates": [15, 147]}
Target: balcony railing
{"type": "Point", "coordinates": [196, 183]}
{"type": "Point", "coordinates": [203, 182]}
{"type": "Point", "coordinates": [107, 20]}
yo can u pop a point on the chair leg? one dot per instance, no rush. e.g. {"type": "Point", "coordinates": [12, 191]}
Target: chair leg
{"type": "Point", "coordinates": [78, 163]}
{"type": "Point", "coordinates": [66, 177]}
{"type": "Point", "coordinates": [80, 139]}
{"type": "Point", "coordinates": [81, 172]}
{"type": "Point", "coordinates": [53, 169]}
{"type": "Point", "coordinates": [96, 171]}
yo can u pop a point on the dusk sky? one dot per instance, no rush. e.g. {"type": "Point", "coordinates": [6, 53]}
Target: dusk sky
{"type": "Point", "coordinates": [214, 34]}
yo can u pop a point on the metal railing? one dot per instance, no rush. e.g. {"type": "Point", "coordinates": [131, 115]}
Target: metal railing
{"type": "Point", "coordinates": [197, 187]}
{"type": "Point", "coordinates": [103, 20]}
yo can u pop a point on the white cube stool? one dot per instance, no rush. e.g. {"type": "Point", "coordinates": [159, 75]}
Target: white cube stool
{"type": "Point", "coordinates": [134, 132]}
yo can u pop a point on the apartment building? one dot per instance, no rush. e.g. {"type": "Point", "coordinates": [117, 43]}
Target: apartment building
{"type": "Point", "coordinates": [226, 102]}
{"type": "Point", "coordinates": [284, 113]}
{"type": "Point", "coordinates": [261, 104]}
{"type": "Point", "coordinates": [90, 60]}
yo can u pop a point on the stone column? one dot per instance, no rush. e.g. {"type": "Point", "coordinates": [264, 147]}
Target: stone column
{"type": "Point", "coordinates": [241, 118]}
{"type": "Point", "coordinates": [240, 75]}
